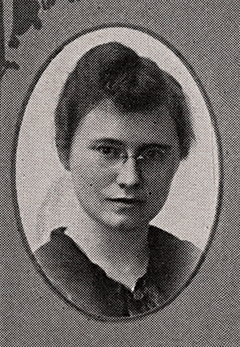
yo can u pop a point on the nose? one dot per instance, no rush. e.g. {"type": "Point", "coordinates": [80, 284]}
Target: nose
{"type": "Point", "coordinates": [128, 175]}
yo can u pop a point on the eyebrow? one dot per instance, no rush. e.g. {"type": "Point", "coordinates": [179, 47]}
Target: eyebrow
{"type": "Point", "coordinates": [108, 140]}
{"type": "Point", "coordinates": [142, 147]}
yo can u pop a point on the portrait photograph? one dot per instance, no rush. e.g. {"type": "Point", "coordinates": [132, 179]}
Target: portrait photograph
{"type": "Point", "coordinates": [119, 173]}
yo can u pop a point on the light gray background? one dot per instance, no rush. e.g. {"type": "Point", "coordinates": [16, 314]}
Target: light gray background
{"type": "Point", "coordinates": [205, 314]}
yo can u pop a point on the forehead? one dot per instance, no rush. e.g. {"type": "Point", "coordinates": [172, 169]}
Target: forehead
{"type": "Point", "coordinates": [106, 121]}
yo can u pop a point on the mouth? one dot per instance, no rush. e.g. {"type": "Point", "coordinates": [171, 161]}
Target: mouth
{"type": "Point", "coordinates": [126, 201]}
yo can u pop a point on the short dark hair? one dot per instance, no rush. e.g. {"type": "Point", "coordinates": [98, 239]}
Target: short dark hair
{"type": "Point", "coordinates": [133, 83]}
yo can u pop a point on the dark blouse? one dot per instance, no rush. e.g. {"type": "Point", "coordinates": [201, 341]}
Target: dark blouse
{"type": "Point", "coordinates": [89, 288]}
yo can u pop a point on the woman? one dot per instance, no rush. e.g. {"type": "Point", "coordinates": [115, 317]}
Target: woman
{"type": "Point", "coordinates": [122, 128]}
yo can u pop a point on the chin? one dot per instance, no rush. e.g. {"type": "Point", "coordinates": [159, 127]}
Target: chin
{"type": "Point", "coordinates": [123, 222]}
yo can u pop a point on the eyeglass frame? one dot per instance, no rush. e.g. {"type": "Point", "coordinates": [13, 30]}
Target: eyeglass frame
{"type": "Point", "coordinates": [124, 156]}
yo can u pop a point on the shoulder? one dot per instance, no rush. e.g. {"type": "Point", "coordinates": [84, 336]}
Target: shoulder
{"type": "Point", "coordinates": [54, 247]}
{"type": "Point", "coordinates": [160, 240]}
{"type": "Point", "coordinates": [69, 270]}
{"type": "Point", "coordinates": [60, 254]}
{"type": "Point", "coordinates": [172, 260]}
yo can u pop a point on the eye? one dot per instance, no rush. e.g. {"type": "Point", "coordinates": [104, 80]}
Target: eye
{"type": "Point", "coordinates": [157, 154]}
{"type": "Point", "coordinates": [107, 150]}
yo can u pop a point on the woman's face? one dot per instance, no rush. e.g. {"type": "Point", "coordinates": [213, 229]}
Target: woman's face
{"type": "Point", "coordinates": [122, 164]}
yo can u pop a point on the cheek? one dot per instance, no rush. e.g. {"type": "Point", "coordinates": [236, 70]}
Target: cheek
{"type": "Point", "coordinates": [159, 185]}
{"type": "Point", "coordinates": [88, 179]}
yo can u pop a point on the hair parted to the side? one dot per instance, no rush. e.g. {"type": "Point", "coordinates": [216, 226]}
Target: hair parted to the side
{"type": "Point", "coordinates": [133, 83]}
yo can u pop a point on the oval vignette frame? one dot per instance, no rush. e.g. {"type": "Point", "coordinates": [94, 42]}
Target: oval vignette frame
{"type": "Point", "coordinates": [220, 168]}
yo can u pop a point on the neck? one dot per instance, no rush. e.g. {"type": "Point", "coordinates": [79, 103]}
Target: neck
{"type": "Point", "coordinates": [121, 253]}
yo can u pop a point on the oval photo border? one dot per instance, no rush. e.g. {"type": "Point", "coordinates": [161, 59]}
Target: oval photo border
{"type": "Point", "coordinates": [13, 169]}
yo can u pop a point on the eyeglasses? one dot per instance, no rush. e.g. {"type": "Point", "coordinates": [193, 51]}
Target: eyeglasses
{"type": "Point", "coordinates": [149, 159]}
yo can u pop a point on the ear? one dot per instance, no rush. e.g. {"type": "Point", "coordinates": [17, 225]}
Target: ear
{"type": "Point", "coordinates": [64, 159]}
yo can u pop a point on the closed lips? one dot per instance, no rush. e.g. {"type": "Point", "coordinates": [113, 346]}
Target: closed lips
{"type": "Point", "coordinates": [126, 200]}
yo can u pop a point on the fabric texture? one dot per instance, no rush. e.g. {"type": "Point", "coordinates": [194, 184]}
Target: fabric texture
{"type": "Point", "coordinates": [84, 283]}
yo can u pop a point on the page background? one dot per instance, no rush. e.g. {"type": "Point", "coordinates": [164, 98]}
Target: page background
{"type": "Point", "coordinates": [206, 312]}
